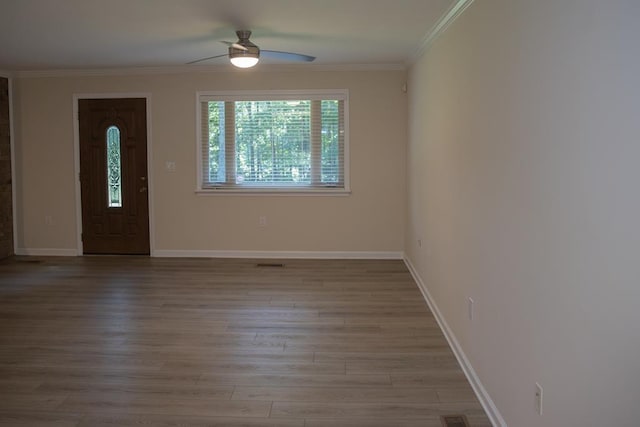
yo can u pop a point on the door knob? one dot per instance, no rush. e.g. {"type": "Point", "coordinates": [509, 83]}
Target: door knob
{"type": "Point", "coordinates": [143, 189]}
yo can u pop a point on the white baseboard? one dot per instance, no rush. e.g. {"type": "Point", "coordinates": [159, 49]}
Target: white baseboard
{"type": "Point", "coordinates": [485, 400]}
{"type": "Point", "coordinates": [169, 253]}
{"type": "Point", "coordinates": [46, 252]}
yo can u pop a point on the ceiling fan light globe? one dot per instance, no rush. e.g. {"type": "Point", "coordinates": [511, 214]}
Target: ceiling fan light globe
{"type": "Point", "coordinates": [244, 61]}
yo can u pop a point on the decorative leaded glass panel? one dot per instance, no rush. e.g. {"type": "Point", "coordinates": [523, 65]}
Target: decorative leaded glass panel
{"type": "Point", "coordinates": [114, 176]}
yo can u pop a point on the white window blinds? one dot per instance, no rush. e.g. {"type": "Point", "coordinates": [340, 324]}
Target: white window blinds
{"type": "Point", "coordinates": [273, 140]}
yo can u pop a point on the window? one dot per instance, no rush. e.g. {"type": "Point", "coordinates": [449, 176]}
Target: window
{"type": "Point", "coordinates": [114, 184]}
{"type": "Point", "coordinates": [289, 141]}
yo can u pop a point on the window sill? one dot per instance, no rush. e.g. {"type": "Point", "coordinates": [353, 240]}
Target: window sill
{"type": "Point", "coordinates": [273, 192]}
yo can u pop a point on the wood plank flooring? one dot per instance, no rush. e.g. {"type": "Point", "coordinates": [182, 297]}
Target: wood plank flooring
{"type": "Point", "coordinates": [133, 341]}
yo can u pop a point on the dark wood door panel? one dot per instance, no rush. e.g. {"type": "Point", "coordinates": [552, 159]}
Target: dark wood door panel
{"type": "Point", "coordinates": [114, 224]}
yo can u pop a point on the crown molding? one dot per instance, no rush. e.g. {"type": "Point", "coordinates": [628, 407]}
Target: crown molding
{"type": "Point", "coordinates": [7, 74]}
{"type": "Point", "coordinates": [440, 27]}
{"type": "Point", "coordinates": [190, 69]}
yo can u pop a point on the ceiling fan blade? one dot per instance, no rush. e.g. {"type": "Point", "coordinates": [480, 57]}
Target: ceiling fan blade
{"type": "Point", "coordinates": [234, 45]}
{"type": "Point", "coordinates": [286, 56]}
{"type": "Point", "coordinates": [206, 59]}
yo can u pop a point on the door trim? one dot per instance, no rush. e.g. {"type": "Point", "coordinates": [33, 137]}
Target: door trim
{"type": "Point", "coordinates": [76, 161]}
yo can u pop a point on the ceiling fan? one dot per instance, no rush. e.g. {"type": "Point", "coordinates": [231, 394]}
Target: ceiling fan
{"type": "Point", "coordinates": [245, 54]}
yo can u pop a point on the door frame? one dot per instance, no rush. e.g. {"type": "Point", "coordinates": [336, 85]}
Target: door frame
{"type": "Point", "coordinates": [76, 161]}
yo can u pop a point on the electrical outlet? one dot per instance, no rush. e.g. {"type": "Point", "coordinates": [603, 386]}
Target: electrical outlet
{"type": "Point", "coordinates": [262, 220]}
{"type": "Point", "coordinates": [538, 399]}
{"type": "Point", "coordinates": [48, 220]}
{"type": "Point", "coordinates": [170, 166]}
{"type": "Point", "coordinates": [470, 308]}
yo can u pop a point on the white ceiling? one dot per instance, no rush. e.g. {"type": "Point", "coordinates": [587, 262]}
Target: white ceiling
{"type": "Point", "coordinates": [89, 34]}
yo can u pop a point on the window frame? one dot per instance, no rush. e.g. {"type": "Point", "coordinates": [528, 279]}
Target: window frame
{"type": "Point", "coordinates": [268, 95]}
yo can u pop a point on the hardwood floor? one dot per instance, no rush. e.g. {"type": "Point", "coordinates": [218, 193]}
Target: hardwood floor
{"type": "Point", "coordinates": [128, 341]}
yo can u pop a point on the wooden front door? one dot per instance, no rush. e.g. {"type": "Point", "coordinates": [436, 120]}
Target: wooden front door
{"type": "Point", "coordinates": [113, 176]}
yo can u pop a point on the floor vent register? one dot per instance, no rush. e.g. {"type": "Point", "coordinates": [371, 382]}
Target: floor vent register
{"type": "Point", "coordinates": [454, 421]}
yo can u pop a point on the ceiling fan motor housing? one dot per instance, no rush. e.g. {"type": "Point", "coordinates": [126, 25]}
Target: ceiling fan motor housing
{"type": "Point", "coordinates": [250, 50]}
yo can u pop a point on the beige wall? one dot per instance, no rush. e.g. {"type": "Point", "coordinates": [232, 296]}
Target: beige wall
{"type": "Point", "coordinates": [524, 185]}
{"type": "Point", "coordinates": [371, 219]}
